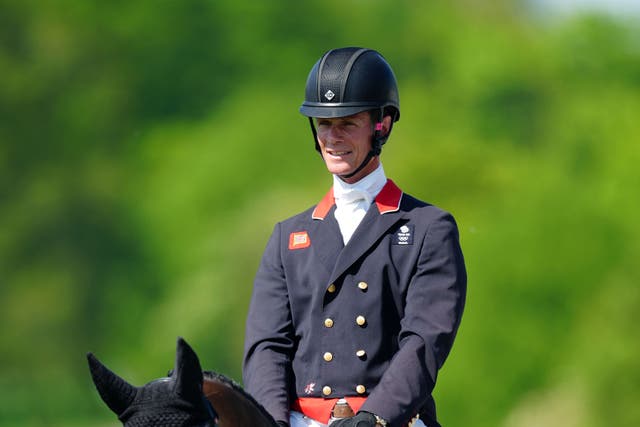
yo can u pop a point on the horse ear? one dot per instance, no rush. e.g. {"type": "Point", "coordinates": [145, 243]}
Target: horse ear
{"type": "Point", "coordinates": [115, 392]}
{"type": "Point", "coordinates": [188, 372]}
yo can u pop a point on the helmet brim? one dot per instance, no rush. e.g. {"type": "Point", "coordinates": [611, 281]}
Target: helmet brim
{"type": "Point", "coordinates": [327, 110]}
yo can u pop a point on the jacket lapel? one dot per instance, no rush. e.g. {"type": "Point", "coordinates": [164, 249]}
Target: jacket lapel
{"type": "Point", "coordinates": [380, 217]}
{"type": "Point", "coordinates": [373, 226]}
{"type": "Point", "coordinates": [325, 232]}
{"type": "Point", "coordinates": [327, 240]}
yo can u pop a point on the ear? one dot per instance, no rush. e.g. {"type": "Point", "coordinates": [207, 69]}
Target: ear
{"type": "Point", "coordinates": [114, 391]}
{"type": "Point", "coordinates": [386, 126]}
{"type": "Point", "coordinates": [188, 373]}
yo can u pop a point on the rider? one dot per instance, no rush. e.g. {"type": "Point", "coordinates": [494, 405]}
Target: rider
{"type": "Point", "coordinates": [359, 297]}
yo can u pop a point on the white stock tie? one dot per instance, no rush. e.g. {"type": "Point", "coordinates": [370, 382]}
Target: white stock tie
{"type": "Point", "coordinates": [351, 207]}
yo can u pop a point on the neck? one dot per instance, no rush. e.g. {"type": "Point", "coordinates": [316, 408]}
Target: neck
{"type": "Point", "coordinates": [371, 183]}
{"type": "Point", "coordinates": [370, 164]}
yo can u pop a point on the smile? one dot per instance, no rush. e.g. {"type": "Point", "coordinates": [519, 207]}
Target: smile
{"type": "Point", "coordinates": [338, 153]}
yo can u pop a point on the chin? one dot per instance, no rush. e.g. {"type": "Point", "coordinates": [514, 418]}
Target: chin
{"type": "Point", "coordinates": [341, 171]}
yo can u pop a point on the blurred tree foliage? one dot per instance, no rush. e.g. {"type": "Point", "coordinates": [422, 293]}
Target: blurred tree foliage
{"type": "Point", "coordinates": [148, 147]}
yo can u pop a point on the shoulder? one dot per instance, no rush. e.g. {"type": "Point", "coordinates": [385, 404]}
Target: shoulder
{"type": "Point", "coordinates": [297, 220]}
{"type": "Point", "coordinates": [415, 207]}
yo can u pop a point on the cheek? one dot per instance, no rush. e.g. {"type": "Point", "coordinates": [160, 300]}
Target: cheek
{"type": "Point", "coordinates": [322, 137]}
{"type": "Point", "coordinates": [321, 144]}
{"type": "Point", "coordinates": [364, 142]}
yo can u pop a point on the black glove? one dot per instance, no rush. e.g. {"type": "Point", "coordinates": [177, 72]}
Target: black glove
{"type": "Point", "coordinates": [361, 419]}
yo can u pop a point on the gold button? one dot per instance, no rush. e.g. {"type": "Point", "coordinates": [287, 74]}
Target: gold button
{"type": "Point", "coordinates": [361, 353]}
{"type": "Point", "coordinates": [360, 389]}
{"type": "Point", "coordinates": [363, 286]}
{"type": "Point", "coordinates": [328, 357]}
{"type": "Point", "coordinates": [326, 390]}
{"type": "Point", "coordinates": [332, 288]}
{"type": "Point", "coordinates": [328, 322]}
{"type": "Point", "coordinates": [360, 320]}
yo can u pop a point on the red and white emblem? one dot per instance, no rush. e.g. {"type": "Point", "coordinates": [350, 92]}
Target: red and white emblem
{"type": "Point", "coordinates": [299, 240]}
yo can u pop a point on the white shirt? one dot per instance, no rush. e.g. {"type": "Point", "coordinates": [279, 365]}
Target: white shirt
{"type": "Point", "coordinates": [353, 200]}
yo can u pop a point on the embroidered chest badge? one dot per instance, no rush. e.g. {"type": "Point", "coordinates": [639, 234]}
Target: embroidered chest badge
{"type": "Point", "coordinates": [404, 236]}
{"type": "Point", "coordinates": [310, 388]}
{"type": "Point", "coordinates": [299, 240]}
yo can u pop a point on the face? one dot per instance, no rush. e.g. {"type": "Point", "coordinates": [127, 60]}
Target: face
{"type": "Point", "coordinates": [345, 143]}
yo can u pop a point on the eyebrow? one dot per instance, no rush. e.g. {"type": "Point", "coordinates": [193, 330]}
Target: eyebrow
{"type": "Point", "coordinates": [339, 120]}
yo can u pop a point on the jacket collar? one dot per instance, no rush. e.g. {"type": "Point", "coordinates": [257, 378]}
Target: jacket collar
{"type": "Point", "coordinates": [387, 200]}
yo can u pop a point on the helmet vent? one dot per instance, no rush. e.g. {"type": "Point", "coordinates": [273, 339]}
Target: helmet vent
{"type": "Point", "coordinates": [334, 72]}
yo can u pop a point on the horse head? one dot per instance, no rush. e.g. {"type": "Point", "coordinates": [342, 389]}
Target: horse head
{"type": "Point", "coordinates": [173, 401]}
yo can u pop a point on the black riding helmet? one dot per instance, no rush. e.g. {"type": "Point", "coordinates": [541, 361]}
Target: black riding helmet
{"type": "Point", "coordinates": [347, 81]}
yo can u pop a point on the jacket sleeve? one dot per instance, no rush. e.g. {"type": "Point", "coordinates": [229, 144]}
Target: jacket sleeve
{"type": "Point", "coordinates": [433, 310]}
{"type": "Point", "coordinates": [269, 335]}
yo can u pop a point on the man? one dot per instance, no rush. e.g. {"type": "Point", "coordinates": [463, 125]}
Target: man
{"type": "Point", "coordinates": [358, 298]}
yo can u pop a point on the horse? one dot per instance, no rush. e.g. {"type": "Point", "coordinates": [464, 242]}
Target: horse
{"type": "Point", "coordinates": [187, 397]}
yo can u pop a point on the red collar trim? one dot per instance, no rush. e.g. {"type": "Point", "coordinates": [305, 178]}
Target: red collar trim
{"type": "Point", "coordinates": [388, 200]}
{"type": "Point", "coordinates": [323, 208]}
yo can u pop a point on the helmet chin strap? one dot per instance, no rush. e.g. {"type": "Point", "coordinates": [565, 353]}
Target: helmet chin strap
{"type": "Point", "coordinates": [376, 149]}
{"type": "Point", "coordinates": [359, 168]}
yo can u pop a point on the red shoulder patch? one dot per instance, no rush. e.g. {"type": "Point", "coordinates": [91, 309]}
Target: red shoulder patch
{"type": "Point", "coordinates": [299, 240]}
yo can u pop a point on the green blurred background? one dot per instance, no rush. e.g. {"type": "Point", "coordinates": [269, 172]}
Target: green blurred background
{"type": "Point", "coordinates": [147, 148]}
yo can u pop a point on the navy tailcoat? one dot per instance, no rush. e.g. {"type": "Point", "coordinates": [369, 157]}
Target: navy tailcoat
{"type": "Point", "coordinates": [375, 318]}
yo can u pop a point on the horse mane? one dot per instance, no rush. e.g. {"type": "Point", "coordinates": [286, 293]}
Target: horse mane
{"type": "Point", "coordinates": [218, 396]}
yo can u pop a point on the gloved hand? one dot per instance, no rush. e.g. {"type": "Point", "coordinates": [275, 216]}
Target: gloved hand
{"type": "Point", "coordinates": [361, 419]}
